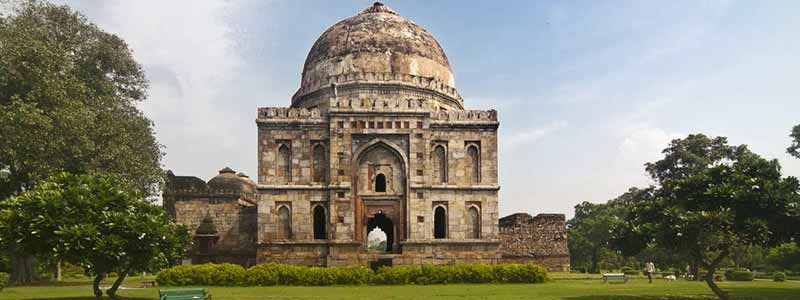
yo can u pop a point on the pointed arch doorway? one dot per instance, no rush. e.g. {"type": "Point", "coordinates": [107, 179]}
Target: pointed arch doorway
{"type": "Point", "coordinates": [382, 222]}
{"type": "Point", "coordinates": [380, 185]}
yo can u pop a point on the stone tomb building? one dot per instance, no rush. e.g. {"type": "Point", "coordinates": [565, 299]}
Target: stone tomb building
{"type": "Point", "coordinates": [376, 136]}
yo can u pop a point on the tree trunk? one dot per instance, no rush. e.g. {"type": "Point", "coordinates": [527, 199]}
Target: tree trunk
{"type": "Point", "coordinates": [594, 261]}
{"type": "Point", "coordinates": [694, 269]}
{"type": "Point", "coordinates": [58, 271]}
{"type": "Point", "coordinates": [710, 281]}
{"type": "Point", "coordinates": [22, 272]}
{"type": "Point", "coordinates": [712, 267]}
{"type": "Point", "coordinates": [98, 294]}
{"type": "Point", "coordinates": [112, 292]}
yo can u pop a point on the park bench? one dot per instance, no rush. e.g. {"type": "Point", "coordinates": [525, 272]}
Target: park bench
{"type": "Point", "coordinates": [184, 294]}
{"type": "Point", "coordinates": [615, 278]}
{"type": "Point", "coordinates": [150, 283]}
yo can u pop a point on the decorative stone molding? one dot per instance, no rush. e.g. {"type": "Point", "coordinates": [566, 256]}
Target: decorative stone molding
{"type": "Point", "coordinates": [289, 113]}
{"type": "Point", "coordinates": [385, 78]}
{"type": "Point", "coordinates": [465, 116]}
{"type": "Point", "coordinates": [380, 104]}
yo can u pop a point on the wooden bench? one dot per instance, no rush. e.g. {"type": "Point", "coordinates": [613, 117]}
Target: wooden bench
{"type": "Point", "coordinates": [150, 283]}
{"type": "Point", "coordinates": [615, 278]}
{"type": "Point", "coordinates": [184, 294]}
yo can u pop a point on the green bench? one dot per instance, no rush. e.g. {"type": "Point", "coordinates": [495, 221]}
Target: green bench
{"type": "Point", "coordinates": [615, 278]}
{"type": "Point", "coordinates": [184, 294]}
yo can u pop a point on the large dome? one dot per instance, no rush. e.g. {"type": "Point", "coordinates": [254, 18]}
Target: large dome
{"type": "Point", "coordinates": [377, 45]}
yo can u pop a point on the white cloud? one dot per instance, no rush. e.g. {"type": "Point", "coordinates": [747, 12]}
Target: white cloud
{"type": "Point", "coordinates": [638, 146]}
{"type": "Point", "coordinates": [645, 144]}
{"type": "Point", "coordinates": [530, 135]}
{"type": "Point", "coordinates": [188, 51]}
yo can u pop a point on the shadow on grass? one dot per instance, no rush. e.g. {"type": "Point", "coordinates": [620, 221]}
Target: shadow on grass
{"type": "Point", "coordinates": [738, 293]}
{"type": "Point", "coordinates": [642, 297]}
{"type": "Point", "coordinates": [86, 298]}
{"type": "Point", "coordinates": [52, 284]}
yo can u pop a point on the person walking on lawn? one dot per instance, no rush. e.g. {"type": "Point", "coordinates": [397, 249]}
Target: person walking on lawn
{"type": "Point", "coordinates": [649, 269]}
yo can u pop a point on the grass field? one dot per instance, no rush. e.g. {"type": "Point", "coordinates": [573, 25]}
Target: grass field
{"type": "Point", "coordinates": [565, 287]}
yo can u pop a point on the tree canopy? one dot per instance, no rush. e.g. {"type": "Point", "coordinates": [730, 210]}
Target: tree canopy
{"type": "Point", "coordinates": [794, 148]}
{"type": "Point", "coordinates": [711, 197]}
{"type": "Point", "coordinates": [95, 222]}
{"type": "Point", "coordinates": [590, 230]}
{"type": "Point", "coordinates": [68, 92]}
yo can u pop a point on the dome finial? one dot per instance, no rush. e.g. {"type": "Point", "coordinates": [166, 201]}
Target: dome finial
{"type": "Point", "coordinates": [378, 7]}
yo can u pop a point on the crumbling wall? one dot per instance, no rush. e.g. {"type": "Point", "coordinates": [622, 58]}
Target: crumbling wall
{"type": "Point", "coordinates": [541, 239]}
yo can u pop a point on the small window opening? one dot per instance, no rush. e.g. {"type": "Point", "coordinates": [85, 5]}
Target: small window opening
{"type": "Point", "coordinates": [380, 183]}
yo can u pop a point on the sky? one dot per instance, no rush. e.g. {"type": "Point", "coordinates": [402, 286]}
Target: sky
{"type": "Point", "coordinates": [587, 91]}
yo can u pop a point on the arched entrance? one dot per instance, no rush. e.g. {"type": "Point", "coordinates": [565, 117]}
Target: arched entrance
{"type": "Point", "coordinates": [380, 186]}
{"type": "Point", "coordinates": [380, 220]}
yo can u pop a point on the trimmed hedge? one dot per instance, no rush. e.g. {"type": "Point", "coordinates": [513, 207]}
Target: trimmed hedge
{"type": "Point", "coordinates": [740, 276]}
{"type": "Point", "coordinates": [280, 274]}
{"type": "Point", "coordinates": [3, 280]}
{"type": "Point", "coordinates": [779, 277]}
{"type": "Point", "coordinates": [629, 271]}
{"type": "Point", "coordinates": [205, 274]}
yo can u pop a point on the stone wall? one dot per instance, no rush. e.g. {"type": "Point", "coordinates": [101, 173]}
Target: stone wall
{"type": "Point", "coordinates": [189, 200]}
{"type": "Point", "coordinates": [541, 239]}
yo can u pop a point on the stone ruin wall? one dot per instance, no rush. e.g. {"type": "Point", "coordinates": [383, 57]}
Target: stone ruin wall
{"type": "Point", "coordinates": [541, 239]}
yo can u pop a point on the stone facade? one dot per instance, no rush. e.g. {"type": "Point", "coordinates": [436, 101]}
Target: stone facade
{"type": "Point", "coordinates": [231, 208]}
{"type": "Point", "coordinates": [376, 137]}
{"type": "Point", "coordinates": [541, 239]}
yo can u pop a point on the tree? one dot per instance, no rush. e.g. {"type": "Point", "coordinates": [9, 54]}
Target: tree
{"type": "Point", "coordinates": [794, 148]}
{"type": "Point", "coordinates": [711, 197]}
{"type": "Point", "coordinates": [67, 103]}
{"type": "Point", "coordinates": [785, 257]}
{"type": "Point", "coordinates": [95, 222]}
{"type": "Point", "coordinates": [589, 231]}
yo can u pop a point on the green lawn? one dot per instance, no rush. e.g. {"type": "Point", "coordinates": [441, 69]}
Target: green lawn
{"type": "Point", "coordinates": [574, 289]}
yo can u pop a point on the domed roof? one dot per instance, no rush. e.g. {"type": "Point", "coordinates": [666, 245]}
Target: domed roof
{"type": "Point", "coordinates": [227, 180]}
{"type": "Point", "coordinates": [373, 43]}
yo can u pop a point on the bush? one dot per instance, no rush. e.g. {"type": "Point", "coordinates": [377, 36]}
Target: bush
{"type": "Point", "coordinates": [779, 277]}
{"type": "Point", "coordinates": [740, 276]}
{"type": "Point", "coordinates": [206, 274]}
{"type": "Point", "coordinates": [3, 280]}
{"type": "Point", "coordinates": [629, 271]}
{"type": "Point", "coordinates": [279, 274]}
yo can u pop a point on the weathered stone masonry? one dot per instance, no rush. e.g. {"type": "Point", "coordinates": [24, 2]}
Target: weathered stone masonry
{"type": "Point", "coordinates": [541, 239]}
{"type": "Point", "coordinates": [376, 137]}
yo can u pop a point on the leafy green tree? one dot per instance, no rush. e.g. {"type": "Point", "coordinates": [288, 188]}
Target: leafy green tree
{"type": "Point", "coordinates": [590, 230]}
{"type": "Point", "coordinates": [95, 222]}
{"type": "Point", "coordinates": [67, 103]}
{"type": "Point", "coordinates": [794, 148]}
{"type": "Point", "coordinates": [711, 197]}
{"type": "Point", "coordinates": [785, 257]}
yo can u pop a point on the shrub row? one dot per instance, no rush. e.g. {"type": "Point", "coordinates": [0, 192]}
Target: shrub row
{"type": "Point", "coordinates": [280, 274]}
{"type": "Point", "coordinates": [779, 277]}
{"type": "Point", "coordinates": [629, 271]}
{"type": "Point", "coordinates": [739, 276]}
{"type": "Point", "coordinates": [3, 280]}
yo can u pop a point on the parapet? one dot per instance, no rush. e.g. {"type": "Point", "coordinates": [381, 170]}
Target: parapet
{"type": "Point", "coordinates": [427, 83]}
{"type": "Point", "coordinates": [284, 114]}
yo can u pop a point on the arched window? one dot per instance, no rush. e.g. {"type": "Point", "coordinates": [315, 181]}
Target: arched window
{"type": "Point", "coordinates": [284, 223]}
{"type": "Point", "coordinates": [474, 160]}
{"type": "Point", "coordinates": [440, 223]}
{"type": "Point", "coordinates": [284, 170]}
{"type": "Point", "coordinates": [440, 163]}
{"type": "Point", "coordinates": [320, 164]}
{"type": "Point", "coordinates": [473, 223]}
{"type": "Point", "coordinates": [380, 183]}
{"type": "Point", "coordinates": [320, 223]}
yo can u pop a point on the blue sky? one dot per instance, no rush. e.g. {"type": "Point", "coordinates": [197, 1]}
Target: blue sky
{"type": "Point", "coordinates": [587, 91]}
